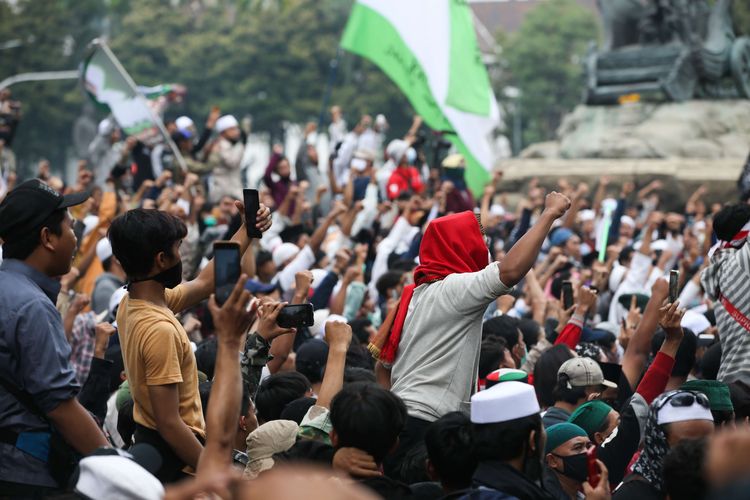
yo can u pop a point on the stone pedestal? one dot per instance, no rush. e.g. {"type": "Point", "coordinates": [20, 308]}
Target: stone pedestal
{"type": "Point", "coordinates": [693, 129]}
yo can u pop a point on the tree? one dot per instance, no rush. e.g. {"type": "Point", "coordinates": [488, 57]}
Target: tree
{"type": "Point", "coordinates": [544, 60]}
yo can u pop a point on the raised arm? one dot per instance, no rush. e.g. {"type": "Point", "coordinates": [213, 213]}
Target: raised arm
{"type": "Point", "coordinates": [232, 321]}
{"type": "Point", "coordinates": [524, 253]}
{"type": "Point", "coordinates": [316, 240]}
{"type": "Point", "coordinates": [203, 285]}
{"type": "Point", "coordinates": [639, 346]}
{"type": "Point", "coordinates": [338, 337]}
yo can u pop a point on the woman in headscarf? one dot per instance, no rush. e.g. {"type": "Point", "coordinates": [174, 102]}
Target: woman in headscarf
{"type": "Point", "coordinates": [673, 417]}
{"type": "Point", "coordinates": [428, 347]}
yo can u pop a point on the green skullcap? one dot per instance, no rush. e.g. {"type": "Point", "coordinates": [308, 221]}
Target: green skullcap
{"type": "Point", "coordinates": [717, 393]}
{"type": "Point", "coordinates": [559, 434]}
{"type": "Point", "coordinates": [591, 416]}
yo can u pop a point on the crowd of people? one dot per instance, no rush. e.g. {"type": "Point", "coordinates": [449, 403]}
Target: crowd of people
{"type": "Point", "coordinates": [508, 344]}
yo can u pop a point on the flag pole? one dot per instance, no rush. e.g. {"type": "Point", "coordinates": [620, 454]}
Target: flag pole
{"type": "Point", "coordinates": [156, 119]}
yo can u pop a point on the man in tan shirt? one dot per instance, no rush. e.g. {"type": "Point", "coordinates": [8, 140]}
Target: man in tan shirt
{"type": "Point", "coordinates": [159, 360]}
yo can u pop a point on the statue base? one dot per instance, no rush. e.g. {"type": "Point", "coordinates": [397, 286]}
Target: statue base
{"type": "Point", "coordinates": [642, 130]}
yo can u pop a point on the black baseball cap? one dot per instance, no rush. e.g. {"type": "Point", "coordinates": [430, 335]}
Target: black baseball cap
{"type": "Point", "coordinates": [27, 206]}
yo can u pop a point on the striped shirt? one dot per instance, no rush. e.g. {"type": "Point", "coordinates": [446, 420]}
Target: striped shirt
{"type": "Point", "coordinates": [727, 281]}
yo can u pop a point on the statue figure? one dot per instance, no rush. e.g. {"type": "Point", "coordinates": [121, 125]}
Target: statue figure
{"type": "Point", "coordinates": [669, 49]}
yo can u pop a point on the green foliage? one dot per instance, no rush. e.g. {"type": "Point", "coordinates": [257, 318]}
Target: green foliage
{"type": "Point", "coordinates": [544, 60]}
{"type": "Point", "coordinates": [268, 59]}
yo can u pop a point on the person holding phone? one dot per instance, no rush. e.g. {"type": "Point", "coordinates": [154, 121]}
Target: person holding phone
{"type": "Point", "coordinates": [159, 360]}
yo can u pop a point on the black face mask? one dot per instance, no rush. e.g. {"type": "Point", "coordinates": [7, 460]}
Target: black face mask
{"type": "Point", "coordinates": [170, 278]}
{"type": "Point", "coordinates": [575, 467]}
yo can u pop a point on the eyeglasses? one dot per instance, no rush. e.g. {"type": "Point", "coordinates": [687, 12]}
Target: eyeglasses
{"type": "Point", "coordinates": [685, 399]}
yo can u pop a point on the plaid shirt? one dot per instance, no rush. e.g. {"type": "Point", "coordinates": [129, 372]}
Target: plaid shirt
{"type": "Point", "coordinates": [82, 345]}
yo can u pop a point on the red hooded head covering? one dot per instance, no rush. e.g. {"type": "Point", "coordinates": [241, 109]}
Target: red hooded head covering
{"type": "Point", "coordinates": [452, 244]}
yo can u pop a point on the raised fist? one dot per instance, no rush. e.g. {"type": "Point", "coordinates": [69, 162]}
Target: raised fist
{"type": "Point", "coordinates": [556, 204]}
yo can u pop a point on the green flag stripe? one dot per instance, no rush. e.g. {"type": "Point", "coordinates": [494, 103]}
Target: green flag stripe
{"type": "Point", "coordinates": [468, 82]}
{"type": "Point", "coordinates": [372, 36]}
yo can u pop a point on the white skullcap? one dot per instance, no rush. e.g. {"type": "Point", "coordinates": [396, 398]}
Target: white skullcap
{"type": "Point", "coordinates": [380, 120]}
{"type": "Point", "coordinates": [103, 249]}
{"type": "Point", "coordinates": [89, 224]}
{"type": "Point", "coordinates": [586, 215]}
{"type": "Point", "coordinates": [396, 150]}
{"type": "Point", "coordinates": [497, 210]}
{"type": "Point", "coordinates": [106, 126]}
{"type": "Point", "coordinates": [670, 414]}
{"type": "Point", "coordinates": [627, 221]}
{"type": "Point", "coordinates": [284, 252]}
{"type": "Point", "coordinates": [184, 122]}
{"type": "Point", "coordinates": [697, 322]}
{"type": "Point", "coordinates": [116, 298]}
{"type": "Point", "coordinates": [504, 402]}
{"type": "Point", "coordinates": [113, 476]}
{"type": "Point", "coordinates": [226, 122]}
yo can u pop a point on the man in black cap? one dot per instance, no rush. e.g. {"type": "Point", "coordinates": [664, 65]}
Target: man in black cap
{"type": "Point", "coordinates": [37, 384]}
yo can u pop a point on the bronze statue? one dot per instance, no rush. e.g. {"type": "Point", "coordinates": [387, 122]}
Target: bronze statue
{"type": "Point", "coordinates": [668, 49]}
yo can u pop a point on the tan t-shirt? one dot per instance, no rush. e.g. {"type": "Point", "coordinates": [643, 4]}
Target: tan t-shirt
{"type": "Point", "coordinates": [156, 351]}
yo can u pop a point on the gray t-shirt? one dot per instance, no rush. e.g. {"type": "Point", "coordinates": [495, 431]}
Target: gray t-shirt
{"type": "Point", "coordinates": [438, 358]}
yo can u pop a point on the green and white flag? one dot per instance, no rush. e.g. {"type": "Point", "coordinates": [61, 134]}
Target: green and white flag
{"type": "Point", "coordinates": [111, 88]}
{"type": "Point", "coordinates": [429, 49]}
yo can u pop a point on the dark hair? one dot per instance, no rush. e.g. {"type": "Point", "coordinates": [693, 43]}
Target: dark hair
{"type": "Point", "coordinates": [545, 372]}
{"type": "Point", "coordinates": [683, 470]}
{"type": "Point", "coordinates": [450, 447]}
{"type": "Point", "coordinates": [502, 326]}
{"type": "Point", "coordinates": [684, 361]}
{"type": "Point", "coordinates": [262, 258]}
{"type": "Point", "coordinates": [277, 391]}
{"type": "Point", "coordinates": [730, 219]}
{"type": "Point", "coordinates": [23, 246]}
{"type": "Point", "coordinates": [354, 374]}
{"type": "Point", "coordinates": [205, 357]}
{"type": "Point", "coordinates": [107, 264]}
{"type": "Point", "coordinates": [561, 392]}
{"type": "Point", "coordinates": [311, 359]}
{"type": "Point", "coordinates": [711, 361]}
{"type": "Point", "coordinates": [530, 331]}
{"type": "Point", "coordinates": [504, 441]}
{"type": "Point", "coordinates": [359, 330]}
{"type": "Point", "coordinates": [359, 357]}
{"type": "Point", "coordinates": [490, 354]}
{"type": "Point", "coordinates": [204, 391]}
{"type": "Point", "coordinates": [296, 410]}
{"type": "Point", "coordinates": [388, 280]}
{"type": "Point", "coordinates": [368, 417]}
{"type": "Point", "coordinates": [139, 235]}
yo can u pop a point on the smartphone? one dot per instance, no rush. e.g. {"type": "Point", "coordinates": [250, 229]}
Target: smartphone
{"type": "Point", "coordinates": [674, 278]}
{"type": "Point", "coordinates": [296, 316]}
{"type": "Point", "coordinates": [226, 269]}
{"type": "Point", "coordinates": [567, 294]}
{"type": "Point", "coordinates": [252, 205]}
{"type": "Point", "coordinates": [593, 468]}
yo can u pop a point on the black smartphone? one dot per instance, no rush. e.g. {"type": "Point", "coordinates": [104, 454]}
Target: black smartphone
{"type": "Point", "coordinates": [674, 279]}
{"type": "Point", "coordinates": [252, 205]}
{"type": "Point", "coordinates": [226, 269]}
{"type": "Point", "coordinates": [567, 294]}
{"type": "Point", "coordinates": [296, 316]}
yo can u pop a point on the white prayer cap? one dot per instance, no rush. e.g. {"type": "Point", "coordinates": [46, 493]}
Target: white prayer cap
{"type": "Point", "coordinates": [396, 150]}
{"type": "Point", "coordinates": [586, 215]}
{"type": "Point", "coordinates": [106, 126]}
{"type": "Point", "coordinates": [116, 298]}
{"type": "Point", "coordinates": [226, 122]}
{"type": "Point", "coordinates": [89, 224]}
{"type": "Point", "coordinates": [380, 120]}
{"type": "Point", "coordinates": [697, 322]}
{"type": "Point", "coordinates": [627, 221]}
{"type": "Point", "coordinates": [504, 402]}
{"type": "Point", "coordinates": [184, 122]}
{"type": "Point", "coordinates": [284, 252]}
{"type": "Point", "coordinates": [672, 412]}
{"type": "Point", "coordinates": [103, 249]}
{"type": "Point", "coordinates": [497, 210]}
{"type": "Point", "coordinates": [116, 477]}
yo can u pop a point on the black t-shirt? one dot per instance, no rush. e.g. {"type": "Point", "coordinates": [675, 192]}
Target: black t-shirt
{"type": "Point", "coordinates": [617, 453]}
{"type": "Point", "coordinates": [635, 488]}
